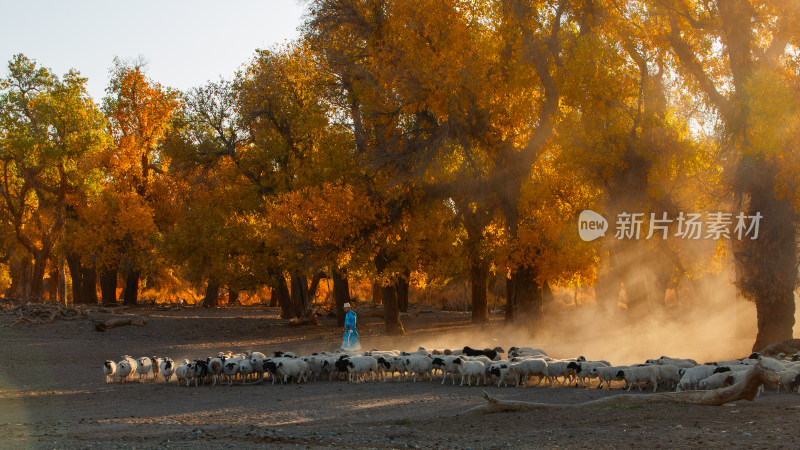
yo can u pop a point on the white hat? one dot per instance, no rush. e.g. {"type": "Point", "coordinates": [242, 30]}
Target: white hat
{"type": "Point", "coordinates": [346, 305]}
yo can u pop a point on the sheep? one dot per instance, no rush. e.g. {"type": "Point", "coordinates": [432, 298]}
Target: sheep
{"type": "Point", "coordinates": [529, 367]}
{"type": "Point", "coordinates": [216, 368]}
{"type": "Point", "coordinates": [732, 368]}
{"type": "Point", "coordinates": [493, 355]}
{"type": "Point", "coordinates": [715, 381]}
{"type": "Point", "coordinates": [293, 368]}
{"type": "Point", "coordinates": [201, 371]}
{"type": "Point", "coordinates": [185, 372]}
{"type": "Point", "coordinates": [638, 374]}
{"type": "Point", "coordinates": [786, 379]}
{"type": "Point", "coordinates": [668, 375]}
{"type": "Point", "coordinates": [446, 365]}
{"type": "Point", "coordinates": [691, 376]}
{"type": "Point", "coordinates": [681, 363]}
{"type": "Point", "coordinates": [526, 351]}
{"type": "Point", "coordinates": [109, 369]}
{"type": "Point", "coordinates": [606, 374]}
{"type": "Point", "coordinates": [246, 369]}
{"type": "Point", "coordinates": [391, 364]}
{"type": "Point", "coordinates": [249, 354]}
{"type": "Point", "coordinates": [124, 370]}
{"type": "Point", "coordinates": [558, 368]}
{"type": "Point", "coordinates": [504, 373]}
{"type": "Point", "coordinates": [419, 365]}
{"type": "Point", "coordinates": [167, 368]}
{"type": "Point", "coordinates": [471, 369]}
{"type": "Point", "coordinates": [230, 369]}
{"type": "Point", "coordinates": [133, 363]}
{"type": "Point", "coordinates": [581, 369]}
{"type": "Point", "coordinates": [144, 367]}
{"type": "Point", "coordinates": [359, 366]}
{"type": "Point", "coordinates": [771, 363]}
{"type": "Point", "coordinates": [316, 365]}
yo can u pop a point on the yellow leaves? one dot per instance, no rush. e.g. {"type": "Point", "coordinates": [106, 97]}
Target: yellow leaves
{"type": "Point", "coordinates": [328, 216]}
{"type": "Point", "coordinates": [773, 113]}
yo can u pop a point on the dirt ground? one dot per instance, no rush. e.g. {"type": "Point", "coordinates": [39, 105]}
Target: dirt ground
{"type": "Point", "coordinates": [53, 395]}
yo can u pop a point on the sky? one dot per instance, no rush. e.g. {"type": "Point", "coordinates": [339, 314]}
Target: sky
{"type": "Point", "coordinates": [185, 43]}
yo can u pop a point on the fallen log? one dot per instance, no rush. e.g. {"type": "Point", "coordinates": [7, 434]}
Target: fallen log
{"type": "Point", "coordinates": [745, 389]}
{"type": "Point", "coordinates": [295, 322]}
{"type": "Point", "coordinates": [100, 325]}
{"type": "Point", "coordinates": [788, 347]}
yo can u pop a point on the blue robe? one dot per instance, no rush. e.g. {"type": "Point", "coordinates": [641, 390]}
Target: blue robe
{"type": "Point", "coordinates": [350, 338]}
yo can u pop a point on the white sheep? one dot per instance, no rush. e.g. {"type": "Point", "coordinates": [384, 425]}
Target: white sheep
{"type": "Point", "coordinates": [469, 369]}
{"type": "Point", "coordinates": [361, 366]}
{"type": "Point", "coordinates": [124, 370]}
{"type": "Point", "coordinates": [293, 368]}
{"type": "Point", "coordinates": [419, 365]}
{"type": "Point", "coordinates": [246, 369]}
{"type": "Point", "coordinates": [606, 374]}
{"type": "Point", "coordinates": [714, 381]}
{"type": "Point", "coordinates": [786, 377]}
{"type": "Point", "coordinates": [559, 368]}
{"type": "Point", "coordinates": [529, 367]}
{"type": "Point", "coordinates": [640, 374]}
{"type": "Point", "coordinates": [690, 377]}
{"type": "Point", "coordinates": [680, 362]}
{"type": "Point", "coordinates": [133, 363]}
{"type": "Point", "coordinates": [185, 372]}
{"type": "Point", "coordinates": [668, 375]}
{"type": "Point", "coordinates": [144, 367]}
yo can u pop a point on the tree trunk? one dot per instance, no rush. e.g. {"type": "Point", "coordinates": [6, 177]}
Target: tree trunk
{"type": "Point", "coordinates": [62, 282]}
{"type": "Point", "coordinates": [376, 293]}
{"type": "Point", "coordinates": [52, 284]}
{"type": "Point", "coordinates": [479, 279]}
{"type": "Point", "coordinates": [767, 266]}
{"type": "Point", "coordinates": [312, 290]}
{"type": "Point", "coordinates": [299, 294]}
{"type": "Point", "coordinates": [526, 299]}
{"type": "Point", "coordinates": [233, 295]}
{"type": "Point", "coordinates": [37, 276]}
{"type": "Point", "coordinates": [284, 298]}
{"type": "Point", "coordinates": [273, 298]}
{"type": "Point", "coordinates": [131, 293]}
{"type": "Point", "coordinates": [548, 299]}
{"type": "Point", "coordinates": [402, 292]}
{"type": "Point", "coordinates": [211, 299]}
{"type": "Point", "coordinates": [775, 320]}
{"type": "Point", "coordinates": [509, 316]}
{"type": "Point", "coordinates": [108, 286]}
{"type": "Point", "coordinates": [638, 299]}
{"type": "Point", "coordinates": [341, 294]}
{"type": "Point", "coordinates": [89, 286]}
{"type": "Point", "coordinates": [391, 312]}
{"type": "Point", "coordinates": [76, 274]}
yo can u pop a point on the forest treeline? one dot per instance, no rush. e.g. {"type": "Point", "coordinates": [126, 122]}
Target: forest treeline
{"type": "Point", "coordinates": [412, 142]}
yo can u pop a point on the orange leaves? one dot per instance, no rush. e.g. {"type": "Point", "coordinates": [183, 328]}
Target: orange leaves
{"type": "Point", "coordinates": [331, 217]}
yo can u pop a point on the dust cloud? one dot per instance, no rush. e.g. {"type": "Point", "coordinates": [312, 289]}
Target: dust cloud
{"type": "Point", "coordinates": [718, 326]}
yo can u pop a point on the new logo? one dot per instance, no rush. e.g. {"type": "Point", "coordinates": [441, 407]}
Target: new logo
{"type": "Point", "coordinates": [591, 225]}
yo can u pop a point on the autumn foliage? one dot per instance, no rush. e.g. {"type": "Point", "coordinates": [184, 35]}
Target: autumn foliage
{"type": "Point", "coordinates": [418, 144]}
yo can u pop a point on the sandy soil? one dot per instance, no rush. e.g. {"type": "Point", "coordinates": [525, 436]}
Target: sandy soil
{"type": "Point", "coordinates": [53, 394]}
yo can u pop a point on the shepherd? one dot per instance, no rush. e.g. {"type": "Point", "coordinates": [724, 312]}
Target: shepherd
{"type": "Point", "coordinates": [350, 338]}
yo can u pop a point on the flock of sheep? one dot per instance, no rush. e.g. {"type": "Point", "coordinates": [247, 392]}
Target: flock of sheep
{"type": "Point", "coordinates": [471, 365]}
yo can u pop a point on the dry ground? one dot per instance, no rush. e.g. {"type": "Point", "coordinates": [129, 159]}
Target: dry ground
{"type": "Point", "coordinates": [53, 395]}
